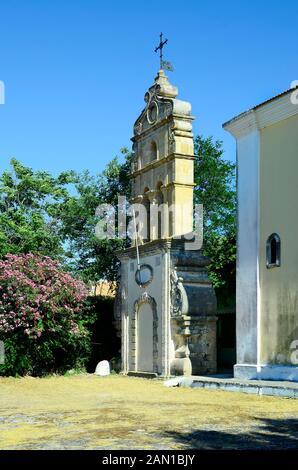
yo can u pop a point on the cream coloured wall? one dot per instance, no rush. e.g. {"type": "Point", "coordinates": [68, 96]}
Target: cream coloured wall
{"type": "Point", "coordinates": [279, 213]}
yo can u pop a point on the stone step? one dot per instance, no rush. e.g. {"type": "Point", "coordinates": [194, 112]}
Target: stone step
{"type": "Point", "coordinates": [256, 387]}
{"type": "Point", "coordinates": [145, 375]}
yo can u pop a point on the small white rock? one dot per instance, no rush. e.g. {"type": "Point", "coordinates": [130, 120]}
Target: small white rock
{"type": "Point", "coordinates": [180, 381]}
{"type": "Point", "coordinates": [102, 368]}
{"type": "Point", "coordinates": [172, 383]}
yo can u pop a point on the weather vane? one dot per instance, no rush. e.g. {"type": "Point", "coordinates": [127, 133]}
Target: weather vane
{"type": "Point", "coordinates": [163, 63]}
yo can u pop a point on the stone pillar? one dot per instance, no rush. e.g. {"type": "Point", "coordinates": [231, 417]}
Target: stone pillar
{"type": "Point", "coordinates": [193, 314]}
{"type": "Point", "coordinates": [203, 344]}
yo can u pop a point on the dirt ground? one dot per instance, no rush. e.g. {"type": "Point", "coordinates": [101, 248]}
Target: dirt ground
{"type": "Point", "coordinates": [116, 412]}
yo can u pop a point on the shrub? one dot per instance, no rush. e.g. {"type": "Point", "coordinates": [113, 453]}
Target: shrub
{"type": "Point", "coordinates": [43, 316]}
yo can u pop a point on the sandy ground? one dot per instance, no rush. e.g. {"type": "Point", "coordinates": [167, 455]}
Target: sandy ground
{"type": "Point", "coordinates": [115, 412]}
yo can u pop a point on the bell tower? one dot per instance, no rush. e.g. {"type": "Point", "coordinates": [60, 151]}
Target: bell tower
{"type": "Point", "coordinates": [166, 302]}
{"type": "Point", "coordinates": [163, 159]}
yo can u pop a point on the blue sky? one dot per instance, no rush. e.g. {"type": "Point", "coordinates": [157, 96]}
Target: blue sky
{"type": "Point", "coordinates": [76, 71]}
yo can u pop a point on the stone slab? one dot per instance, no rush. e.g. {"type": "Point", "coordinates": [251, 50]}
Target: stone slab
{"type": "Point", "coordinates": [256, 387]}
{"type": "Point", "coordinates": [144, 375]}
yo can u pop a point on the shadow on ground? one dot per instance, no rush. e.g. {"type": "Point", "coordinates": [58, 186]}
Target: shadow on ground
{"type": "Point", "coordinates": [268, 433]}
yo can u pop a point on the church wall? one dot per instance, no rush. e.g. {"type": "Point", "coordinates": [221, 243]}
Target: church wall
{"type": "Point", "coordinates": [184, 145]}
{"type": "Point", "coordinates": [183, 220]}
{"type": "Point", "coordinates": [184, 169]}
{"type": "Point", "coordinates": [278, 213]}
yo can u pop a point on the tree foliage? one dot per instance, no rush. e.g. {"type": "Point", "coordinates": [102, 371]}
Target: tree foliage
{"type": "Point", "coordinates": [57, 216]}
{"type": "Point", "coordinates": [87, 255]}
{"type": "Point", "coordinates": [215, 188]}
{"type": "Point", "coordinates": [26, 202]}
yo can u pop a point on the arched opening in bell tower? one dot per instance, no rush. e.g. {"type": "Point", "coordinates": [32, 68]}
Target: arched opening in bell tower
{"type": "Point", "coordinates": [153, 151]}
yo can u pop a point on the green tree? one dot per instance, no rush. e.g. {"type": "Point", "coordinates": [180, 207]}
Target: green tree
{"type": "Point", "coordinates": [215, 189]}
{"type": "Point", "coordinates": [40, 214]}
{"type": "Point", "coordinates": [214, 177]}
{"type": "Point", "coordinates": [26, 202]}
{"type": "Point", "coordinates": [87, 255]}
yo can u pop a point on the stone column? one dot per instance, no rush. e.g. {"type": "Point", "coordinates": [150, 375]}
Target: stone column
{"type": "Point", "coordinates": [193, 314]}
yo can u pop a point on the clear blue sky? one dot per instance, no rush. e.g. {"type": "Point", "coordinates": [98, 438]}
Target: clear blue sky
{"type": "Point", "coordinates": [76, 70]}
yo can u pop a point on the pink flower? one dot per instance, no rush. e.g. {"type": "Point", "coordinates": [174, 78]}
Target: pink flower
{"type": "Point", "coordinates": [35, 288]}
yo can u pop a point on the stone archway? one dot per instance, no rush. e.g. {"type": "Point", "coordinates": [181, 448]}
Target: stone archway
{"type": "Point", "coordinates": [146, 337]}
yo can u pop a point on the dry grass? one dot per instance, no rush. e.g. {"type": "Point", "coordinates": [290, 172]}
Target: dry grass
{"type": "Point", "coordinates": [131, 413]}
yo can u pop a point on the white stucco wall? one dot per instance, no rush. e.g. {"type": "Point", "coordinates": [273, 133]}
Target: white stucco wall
{"type": "Point", "coordinates": [247, 248]}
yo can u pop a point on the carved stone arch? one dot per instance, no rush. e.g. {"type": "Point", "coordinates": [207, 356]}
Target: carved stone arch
{"type": "Point", "coordinates": [146, 298]}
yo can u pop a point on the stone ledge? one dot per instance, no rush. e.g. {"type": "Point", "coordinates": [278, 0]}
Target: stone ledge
{"type": "Point", "coordinates": [271, 372]}
{"type": "Point", "coordinates": [145, 375]}
{"type": "Point", "coordinates": [256, 387]}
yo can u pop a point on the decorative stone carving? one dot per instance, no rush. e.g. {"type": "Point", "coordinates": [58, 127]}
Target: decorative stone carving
{"type": "Point", "coordinates": [144, 275]}
{"type": "Point", "coordinates": [158, 101]}
{"type": "Point", "coordinates": [168, 109]}
{"type": "Point", "coordinates": [152, 112]}
{"type": "Point", "coordinates": [178, 296]}
{"type": "Point", "coordinates": [138, 128]}
{"type": "Point", "coordinates": [172, 146]}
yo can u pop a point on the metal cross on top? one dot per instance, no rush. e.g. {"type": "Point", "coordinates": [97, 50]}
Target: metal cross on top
{"type": "Point", "coordinates": [163, 63]}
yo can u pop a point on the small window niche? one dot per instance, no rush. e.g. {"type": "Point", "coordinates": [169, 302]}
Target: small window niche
{"type": "Point", "coordinates": [153, 151]}
{"type": "Point", "coordinates": [273, 251]}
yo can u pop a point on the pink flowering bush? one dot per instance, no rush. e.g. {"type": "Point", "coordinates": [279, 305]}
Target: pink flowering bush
{"type": "Point", "coordinates": [43, 316]}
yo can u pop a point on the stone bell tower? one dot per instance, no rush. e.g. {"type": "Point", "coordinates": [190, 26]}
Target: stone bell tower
{"type": "Point", "coordinates": [163, 165]}
{"type": "Point", "coordinates": [166, 302]}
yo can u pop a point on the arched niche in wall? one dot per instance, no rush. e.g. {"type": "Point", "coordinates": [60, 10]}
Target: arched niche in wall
{"type": "Point", "coordinates": [153, 151]}
{"type": "Point", "coordinates": [273, 251]}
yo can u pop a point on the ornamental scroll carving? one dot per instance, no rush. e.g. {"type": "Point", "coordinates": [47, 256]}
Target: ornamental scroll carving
{"type": "Point", "coordinates": [172, 142]}
{"type": "Point", "coordinates": [156, 109]}
{"type": "Point", "coordinates": [179, 302]}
